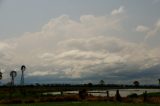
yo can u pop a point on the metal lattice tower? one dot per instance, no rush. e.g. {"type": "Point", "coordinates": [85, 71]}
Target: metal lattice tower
{"type": "Point", "coordinates": [0, 77]}
{"type": "Point", "coordinates": [23, 68]}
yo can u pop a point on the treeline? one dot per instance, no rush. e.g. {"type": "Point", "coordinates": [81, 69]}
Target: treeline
{"type": "Point", "coordinates": [111, 86]}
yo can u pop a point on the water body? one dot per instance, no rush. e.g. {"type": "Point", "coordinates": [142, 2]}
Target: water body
{"type": "Point", "coordinates": [112, 92]}
{"type": "Point", "coordinates": [124, 92]}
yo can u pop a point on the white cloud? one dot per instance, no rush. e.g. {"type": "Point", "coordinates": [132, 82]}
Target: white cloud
{"type": "Point", "coordinates": [142, 28]}
{"type": "Point", "coordinates": [149, 31]}
{"type": "Point", "coordinates": [118, 11]}
{"type": "Point", "coordinates": [153, 31]}
{"type": "Point", "coordinates": [158, 24]}
{"type": "Point", "coordinates": [66, 48]}
{"type": "Point", "coordinates": [41, 73]}
{"type": "Point", "coordinates": [3, 45]}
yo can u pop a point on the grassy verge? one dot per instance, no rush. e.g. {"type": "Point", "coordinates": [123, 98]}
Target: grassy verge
{"type": "Point", "coordinates": [153, 94]}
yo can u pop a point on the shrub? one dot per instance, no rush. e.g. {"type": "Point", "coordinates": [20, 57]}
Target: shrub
{"type": "Point", "coordinates": [133, 95]}
{"type": "Point", "coordinates": [29, 101]}
{"type": "Point", "coordinates": [83, 94]}
{"type": "Point", "coordinates": [71, 98]}
{"type": "Point", "coordinates": [15, 101]}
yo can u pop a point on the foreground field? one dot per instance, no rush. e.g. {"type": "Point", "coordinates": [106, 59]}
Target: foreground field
{"type": "Point", "coordinates": [81, 104]}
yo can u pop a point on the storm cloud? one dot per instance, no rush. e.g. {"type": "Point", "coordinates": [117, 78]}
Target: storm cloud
{"type": "Point", "coordinates": [81, 50]}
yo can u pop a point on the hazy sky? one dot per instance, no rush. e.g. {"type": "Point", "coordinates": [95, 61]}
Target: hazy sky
{"type": "Point", "coordinates": [81, 41]}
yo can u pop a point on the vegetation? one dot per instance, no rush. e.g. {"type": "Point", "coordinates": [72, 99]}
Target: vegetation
{"type": "Point", "coordinates": [152, 94]}
{"type": "Point", "coordinates": [101, 82]}
{"type": "Point", "coordinates": [133, 95]}
{"type": "Point", "coordinates": [27, 94]}
{"type": "Point", "coordinates": [136, 83]}
{"type": "Point", "coordinates": [83, 94]}
{"type": "Point", "coordinates": [34, 97]}
{"type": "Point", "coordinates": [82, 104]}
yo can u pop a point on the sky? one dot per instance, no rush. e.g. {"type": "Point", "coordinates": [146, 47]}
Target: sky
{"type": "Point", "coordinates": [81, 41]}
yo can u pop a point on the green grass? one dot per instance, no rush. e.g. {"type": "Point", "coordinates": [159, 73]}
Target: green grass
{"type": "Point", "coordinates": [81, 104]}
{"type": "Point", "coordinates": [154, 94]}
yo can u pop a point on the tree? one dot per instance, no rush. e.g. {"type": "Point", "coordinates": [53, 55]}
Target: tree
{"type": "Point", "coordinates": [101, 82]}
{"type": "Point", "coordinates": [159, 81]}
{"type": "Point", "coordinates": [90, 84]}
{"type": "Point", "coordinates": [136, 83]}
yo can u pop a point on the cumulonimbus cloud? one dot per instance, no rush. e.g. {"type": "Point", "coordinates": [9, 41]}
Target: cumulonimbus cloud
{"type": "Point", "coordinates": [66, 48]}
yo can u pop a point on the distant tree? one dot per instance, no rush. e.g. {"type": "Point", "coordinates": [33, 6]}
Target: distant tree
{"type": "Point", "coordinates": [90, 84]}
{"type": "Point", "coordinates": [159, 81]}
{"type": "Point", "coordinates": [101, 82]}
{"type": "Point", "coordinates": [136, 83]}
{"type": "Point", "coordinates": [37, 84]}
{"type": "Point", "coordinates": [8, 84]}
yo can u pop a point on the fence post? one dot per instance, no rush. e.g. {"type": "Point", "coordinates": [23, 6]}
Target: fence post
{"type": "Point", "coordinates": [118, 96]}
{"type": "Point", "coordinates": [145, 96]}
{"type": "Point", "coordinates": [107, 94]}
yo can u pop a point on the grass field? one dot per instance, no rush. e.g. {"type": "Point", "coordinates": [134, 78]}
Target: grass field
{"type": "Point", "coordinates": [81, 104]}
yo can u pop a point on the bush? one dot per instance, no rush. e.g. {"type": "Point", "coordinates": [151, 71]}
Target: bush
{"type": "Point", "coordinates": [46, 99]}
{"type": "Point", "coordinates": [29, 101]}
{"type": "Point", "coordinates": [83, 94]}
{"type": "Point", "coordinates": [71, 98]}
{"type": "Point", "coordinates": [133, 95]}
{"type": "Point", "coordinates": [15, 101]}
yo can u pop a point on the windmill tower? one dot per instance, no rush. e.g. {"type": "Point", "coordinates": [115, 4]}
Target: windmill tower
{"type": "Point", "coordinates": [23, 68]}
{"type": "Point", "coordinates": [13, 74]}
{"type": "Point", "coordinates": [0, 76]}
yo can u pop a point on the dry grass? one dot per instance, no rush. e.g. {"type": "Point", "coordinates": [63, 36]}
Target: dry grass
{"type": "Point", "coordinates": [155, 100]}
{"type": "Point", "coordinates": [74, 97]}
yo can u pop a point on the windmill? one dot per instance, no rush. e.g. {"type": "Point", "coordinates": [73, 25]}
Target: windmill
{"type": "Point", "coordinates": [23, 68]}
{"type": "Point", "coordinates": [0, 76]}
{"type": "Point", "coordinates": [13, 74]}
